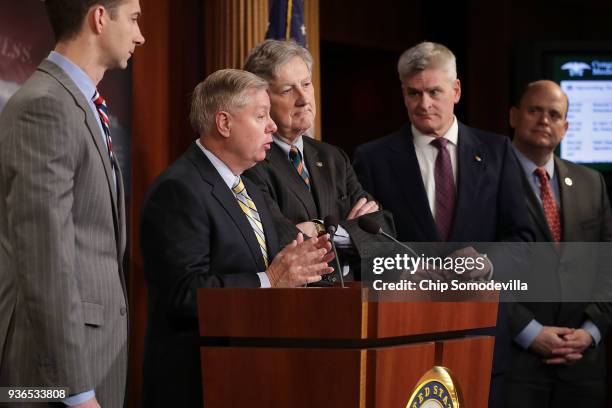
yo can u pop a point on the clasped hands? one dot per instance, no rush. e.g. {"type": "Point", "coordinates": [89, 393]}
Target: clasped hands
{"type": "Point", "coordinates": [561, 345]}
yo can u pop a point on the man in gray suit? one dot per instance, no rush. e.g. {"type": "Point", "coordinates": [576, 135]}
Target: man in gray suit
{"type": "Point", "coordinates": [63, 317]}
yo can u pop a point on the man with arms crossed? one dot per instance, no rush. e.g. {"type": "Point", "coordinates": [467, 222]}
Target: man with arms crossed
{"type": "Point", "coordinates": [205, 225]}
{"type": "Point", "coordinates": [558, 352]}
{"type": "Point", "coordinates": [306, 180]}
{"type": "Point", "coordinates": [62, 215]}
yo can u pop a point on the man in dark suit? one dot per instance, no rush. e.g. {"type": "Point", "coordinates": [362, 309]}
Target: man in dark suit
{"type": "Point", "coordinates": [559, 353]}
{"type": "Point", "coordinates": [478, 169]}
{"type": "Point", "coordinates": [205, 226]}
{"type": "Point", "coordinates": [63, 314]}
{"type": "Point", "coordinates": [304, 179]}
{"type": "Point", "coordinates": [444, 181]}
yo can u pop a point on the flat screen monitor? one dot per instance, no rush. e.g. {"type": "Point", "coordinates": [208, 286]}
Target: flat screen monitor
{"type": "Point", "coordinates": [586, 78]}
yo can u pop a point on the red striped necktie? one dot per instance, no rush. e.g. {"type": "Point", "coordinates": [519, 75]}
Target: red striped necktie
{"type": "Point", "coordinates": [102, 109]}
{"type": "Point", "coordinates": [549, 205]}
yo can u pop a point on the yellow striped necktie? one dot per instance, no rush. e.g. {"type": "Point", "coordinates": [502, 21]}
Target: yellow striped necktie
{"type": "Point", "coordinates": [248, 208]}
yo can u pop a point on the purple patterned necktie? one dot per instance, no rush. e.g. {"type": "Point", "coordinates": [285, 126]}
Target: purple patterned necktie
{"type": "Point", "coordinates": [445, 188]}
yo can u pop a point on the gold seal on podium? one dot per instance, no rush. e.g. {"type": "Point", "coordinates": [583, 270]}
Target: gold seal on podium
{"type": "Point", "coordinates": [436, 389]}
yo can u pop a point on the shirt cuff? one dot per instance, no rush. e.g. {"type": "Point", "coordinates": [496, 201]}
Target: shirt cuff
{"type": "Point", "coordinates": [264, 281]}
{"type": "Point", "coordinates": [79, 398]}
{"type": "Point", "coordinates": [593, 331]}
{"type": "Point", "coordinates": [528, 334]}
{"type": "Point", "coordinates": [342, 238]}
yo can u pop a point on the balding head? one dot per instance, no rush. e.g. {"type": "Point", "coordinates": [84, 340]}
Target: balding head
{"type": "Point", "coordinates": [544, 86]}
{"type": "Point", "coordinates": [539, 120]}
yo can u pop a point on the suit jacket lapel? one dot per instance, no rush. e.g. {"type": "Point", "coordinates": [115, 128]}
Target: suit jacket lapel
{"type": "Point", "coordinates": [535, 208]}
{"type": "Point", "coordinates": [90, 122]}
{"type": "Point", "coordinates": [117, 193]}
{"type": "Point", "coordinates": [227, 200]}
{"type": "Point", "coordinates": [405, 164]}
{"type": "Point", "coordinates": [278, 160]}
{"type": "Point", "coordinates": [320, 180]}
{"type": "Point", "coordinates": [567, 204]}
{"type": "Point", "coordinates": [468, 180]}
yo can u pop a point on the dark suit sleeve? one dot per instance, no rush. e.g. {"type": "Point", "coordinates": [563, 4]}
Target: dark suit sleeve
{"type": "Point", "coordinates": [519, 317]}
{"type": "Point", "coordinates": [514, 225]}
{"type": "Point", "coordinates": [362, 169]}
{"type": "Point", "coordinates": [287, 231]}
{"type": "Point", "coordinates": [178, 241]}
{"type": "Point", "coordinates": [355, 191]}
{"type": "Point", "coordinates": [513, 222]}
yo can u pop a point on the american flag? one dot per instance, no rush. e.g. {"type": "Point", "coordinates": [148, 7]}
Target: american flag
{"type": "Point", "coordinates": [286, 21]}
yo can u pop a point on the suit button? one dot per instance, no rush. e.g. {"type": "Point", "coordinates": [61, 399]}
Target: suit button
{"type": "Point", "coordinates": [123, 311]}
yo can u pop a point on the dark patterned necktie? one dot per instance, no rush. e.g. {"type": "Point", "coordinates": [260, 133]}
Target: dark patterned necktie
{"type": "Point", "coordinates": [445, 188]}
{"type": "Point", "coordinates": [102, 109]}
{"type": "Point", "coordinates": [549, 205]}
{"type": "Point", "coordinates": [296, 159]}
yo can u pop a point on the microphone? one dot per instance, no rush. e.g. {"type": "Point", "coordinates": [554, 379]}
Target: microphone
{"type": "Point", "coordinates": [373, 227]}
{"type": "Point", "coordinates": [331, 226]}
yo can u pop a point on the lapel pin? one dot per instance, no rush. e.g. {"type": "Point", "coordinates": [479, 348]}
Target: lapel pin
{"type": "Point", "coordinates": [568, 181]}
{"type": "Point", "coordinates": [319, 164]}
{"type": "Point", "coordinates": [478, 158]}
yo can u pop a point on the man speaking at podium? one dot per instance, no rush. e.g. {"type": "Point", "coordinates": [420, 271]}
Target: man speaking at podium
{"type": "Point", "coordinates": [203, 225]}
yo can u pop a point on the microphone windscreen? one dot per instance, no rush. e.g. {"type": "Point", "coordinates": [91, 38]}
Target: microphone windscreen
{"type": "Point", "coordinates": [369, 225]}
{"type": "Point", "coordinates": [331, 222]}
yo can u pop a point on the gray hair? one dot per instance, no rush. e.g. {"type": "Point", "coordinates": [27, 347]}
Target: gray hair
{"type": "Point", "coordinates": [265, 58]}
{"type": "Point", "coordinates": [427, 55]}
{"type": "Point", "coordinates": [223, 90]}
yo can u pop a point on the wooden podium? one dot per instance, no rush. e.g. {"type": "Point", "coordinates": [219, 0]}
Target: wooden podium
{"type": "Point", "coordinates": [329, 347]}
